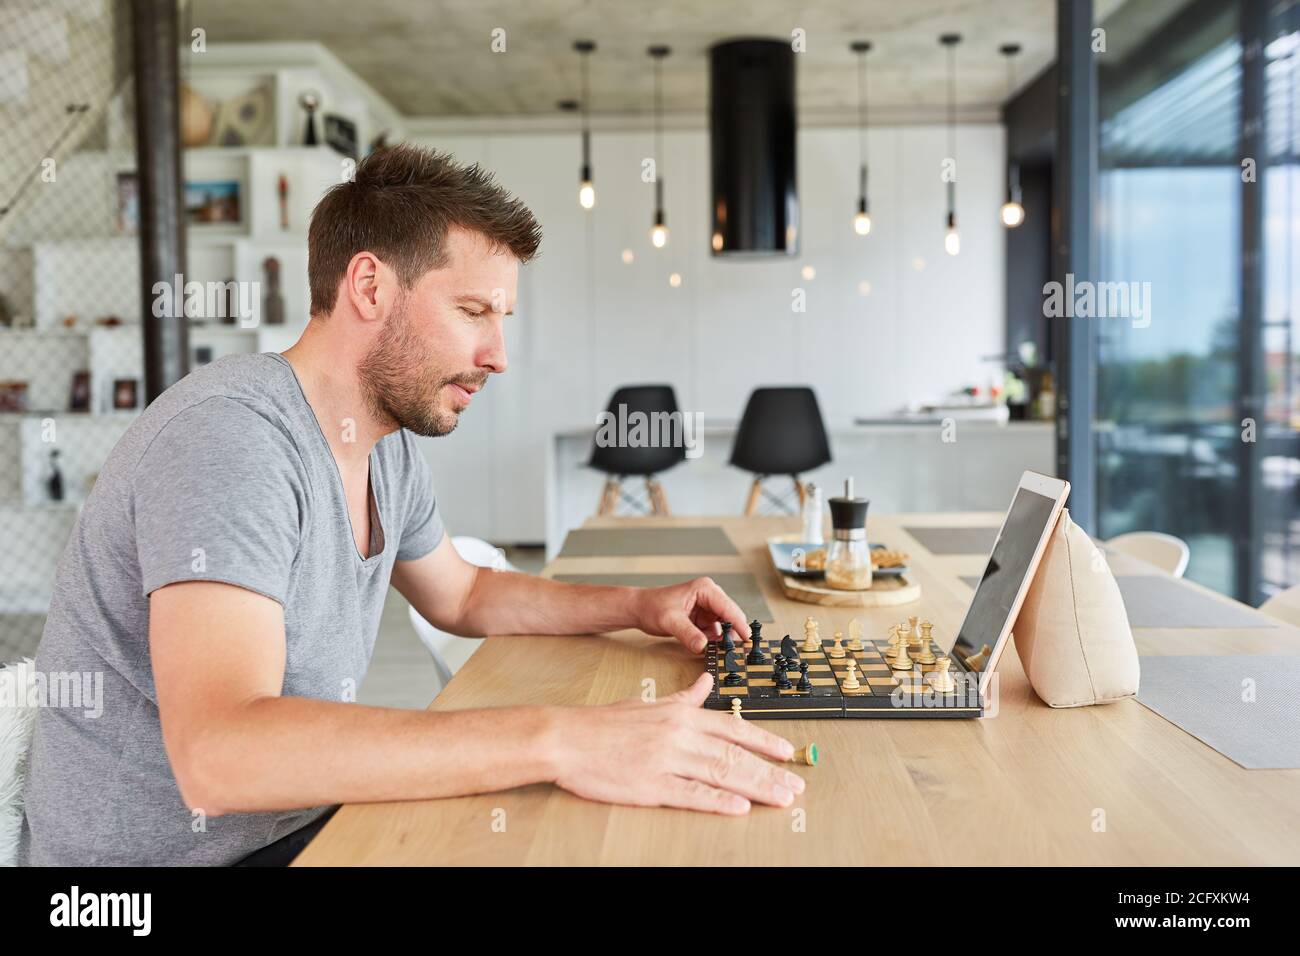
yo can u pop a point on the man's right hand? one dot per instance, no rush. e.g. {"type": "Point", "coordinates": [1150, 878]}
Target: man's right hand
{"type": "Point", "coordinates": [672, 753]}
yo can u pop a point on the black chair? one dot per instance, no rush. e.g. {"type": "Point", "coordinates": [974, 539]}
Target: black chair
{"type": "Point", "coordinates": [662, 449]}
{"type": "Point", "coordinates": [781, 433]}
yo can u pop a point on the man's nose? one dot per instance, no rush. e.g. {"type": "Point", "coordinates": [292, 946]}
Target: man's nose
{"type": "Point", "coordinates": [493, 355]}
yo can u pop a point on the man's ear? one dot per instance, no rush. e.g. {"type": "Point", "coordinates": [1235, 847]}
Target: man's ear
{"type": "Point", "coordinates": [367, 285]}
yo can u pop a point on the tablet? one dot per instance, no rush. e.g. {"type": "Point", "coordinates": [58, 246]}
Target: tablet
{"type": "Point", "coordinates": [1016, 552]}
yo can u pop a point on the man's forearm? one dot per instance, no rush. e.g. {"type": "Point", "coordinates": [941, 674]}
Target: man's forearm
{"type": "Point", "coordinates": [505, 602]}
{"type": "Point", "coordinates": [280, 753]}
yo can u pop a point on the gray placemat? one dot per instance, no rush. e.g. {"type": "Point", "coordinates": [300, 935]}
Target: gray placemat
{"type": "Point", "coordinates": [955, 540]}
{"type": "Point", "coordinates": [740, 587]}
{"type": "Point", "coordinates": [630, 542]}
{"type": "Point", "coordinates": [1204, 696]}
{"type": "Point", "coordinates": [1155, 601]}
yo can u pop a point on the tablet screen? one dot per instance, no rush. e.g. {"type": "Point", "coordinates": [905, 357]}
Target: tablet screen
{"type": "Point", "coordinates": [1013, 552]}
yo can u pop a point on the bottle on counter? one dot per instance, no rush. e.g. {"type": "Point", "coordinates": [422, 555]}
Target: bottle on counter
{"type": "Point", "coordinates": [1047, 398]}
{"type": "Point", "coordinates": [812, 516]}
{"type": "Point", "coordinates": [848, 562]}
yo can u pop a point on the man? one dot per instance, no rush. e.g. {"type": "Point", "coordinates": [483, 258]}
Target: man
{"type": "Point", "coordinates": [228, 571]}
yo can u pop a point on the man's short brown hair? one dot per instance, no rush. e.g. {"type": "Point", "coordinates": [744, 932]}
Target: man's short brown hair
{"type": "Point", "coordinates": [399, 207]}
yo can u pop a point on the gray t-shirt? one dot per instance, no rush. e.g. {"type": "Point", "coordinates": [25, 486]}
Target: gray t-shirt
{"type": "Point", "coordinates": [226, 476]}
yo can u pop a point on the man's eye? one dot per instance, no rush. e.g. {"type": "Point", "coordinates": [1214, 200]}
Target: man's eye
{"type": "Point", "coordinates": [470, 312]}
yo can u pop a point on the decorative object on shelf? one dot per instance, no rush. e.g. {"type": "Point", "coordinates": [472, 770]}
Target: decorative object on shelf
{"type": "Point", "coordinates": [13, 396]}
{"type": "Point", "coordinates": [128, 204]}
{"type": "Point", "coordinates": [1013, 213]}
{"type": "Point", "coordinates": [246, 120]}
{"type": "Point", "coordinates": [79, 400]}
{"type": "Point", "coordinates": [659, 231]}
{"type": "Point", "coordinates": [273, 302]}
{"type": "Point", "coordinates": [309, 100]}
{"type": "Point", "coordinates": [231, 311]}
{"type": "Point", "coordinates": [202, 355]}
{"type": "Point", "coordinates": [586, 185]}
{"type": "Point", "coordinates": [196, 117]}
{"type": "Point", "coordinates": [124, 393]}
{"type": "Point", "coordinates": [862, 219]}
{"type": "Point", "coordinates": [54, 481]}
{"type": "Point", "coordinates": [282, 190]}
{"type": "Point", "coordinates": [341, 135]}
{"type": "Point", "coordinates": [213, 202]}
{"type": "Point", "coordinates": [70, 320]}
{"type": "Point", "coordinates": [109, 321]}
{"type": "Point", "coordinates": [951, 238]}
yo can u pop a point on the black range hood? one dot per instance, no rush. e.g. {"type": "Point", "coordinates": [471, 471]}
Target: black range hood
{"type": "Point", "coordinates": [752, 124]}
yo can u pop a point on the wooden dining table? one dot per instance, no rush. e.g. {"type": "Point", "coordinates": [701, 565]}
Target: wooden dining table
{"type": "Point", "coordinates": [1106, 785]}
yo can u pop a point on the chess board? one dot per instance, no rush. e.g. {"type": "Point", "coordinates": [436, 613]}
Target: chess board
{"type": "Point", "coordinates": [883, 692]}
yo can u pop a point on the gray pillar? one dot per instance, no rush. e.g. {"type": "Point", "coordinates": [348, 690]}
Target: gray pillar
{"type": "Point", "coordinates": [1073, 239]}
{"type": "Point", "coordinates": [158, 163]}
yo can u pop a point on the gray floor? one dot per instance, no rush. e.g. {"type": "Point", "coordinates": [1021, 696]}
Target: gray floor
{"type": "Point", "coordinates": [401, 671]}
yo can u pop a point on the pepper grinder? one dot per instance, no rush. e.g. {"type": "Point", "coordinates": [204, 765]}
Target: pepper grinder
{"type": "Point", "coordinates": [848, 562]}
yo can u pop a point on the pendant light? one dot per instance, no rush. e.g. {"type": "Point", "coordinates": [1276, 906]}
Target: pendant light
{"type": "Point", "coordinates": [1013, 213]}
{"type": "Point", "coordinates": [586, 187]}
{"type": "Point", "coordinates": [659, 231]}
{"type": "Point", "coordinates": [951, 238]}
{"type": "Point", "coordinates": [862, 220]}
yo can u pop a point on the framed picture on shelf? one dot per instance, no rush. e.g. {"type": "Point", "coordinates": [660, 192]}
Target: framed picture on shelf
{"type": "Point", "coordinates": [79, 401]}
{"type": "Point", "coordinates": [128, 204]}
{"type": "Point", "coordinates": [124, 394]}
{"type": "Point", "coordinates": [341, 135]}
{"type": "Point", "coordinates": [214, 202]}
{"type": "Point", "coordinates": [13, 396]}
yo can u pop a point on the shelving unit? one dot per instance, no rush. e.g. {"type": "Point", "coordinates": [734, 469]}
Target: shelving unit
{"type": "Point", "coordinates": [68, 257]}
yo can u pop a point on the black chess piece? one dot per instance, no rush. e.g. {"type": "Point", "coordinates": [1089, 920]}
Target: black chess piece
{"type": "Point", "coordinates": [789, 649]}
{"type": "Point", "coordinates": [732, 667]}
{"type": "Point", "coordinates": [804, 683]}
{"type": "Point", "coordinates": [779, 675]}
{"type": "Point", "coordinates": [756, 630]}
{"type": "Point", "coordinates": [756, 655]}
{"type": "Point", "coordinates": [728, 643]}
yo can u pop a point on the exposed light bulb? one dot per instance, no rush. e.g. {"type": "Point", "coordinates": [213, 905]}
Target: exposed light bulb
{"type": "Point", "coordinates": [717, 242]}
{"type": "Point", "coordinates": [809, 273]}
{"type": "Point", "coordinates": [1013, 214]}
{"type": "Point", "coordinates": [659, 235]}
{"type": "Point", "coordinates": [952, 241]}
{"type": "Point", "coordinates": [862, 223]}
{"type": "Point", "coordinates": [587, 194]}
{"type": "Point", "coordinates": [675, 280]}
{"type": "Point", "coordinates": [628, 257]}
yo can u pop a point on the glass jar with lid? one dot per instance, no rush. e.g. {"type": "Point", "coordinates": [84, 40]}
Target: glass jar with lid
{"type": "Point", "coordinates": [848, 560]}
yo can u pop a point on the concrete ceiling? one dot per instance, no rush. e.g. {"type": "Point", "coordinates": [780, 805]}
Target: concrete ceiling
{"type": "Point", "coordinates": [432, 58]}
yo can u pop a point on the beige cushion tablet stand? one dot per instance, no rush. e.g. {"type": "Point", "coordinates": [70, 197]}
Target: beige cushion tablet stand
{"type": "Point", "coordinates": [1072, 634]}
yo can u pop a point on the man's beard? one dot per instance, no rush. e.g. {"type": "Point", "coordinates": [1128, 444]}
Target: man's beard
{"type": "Point", "coordinates": [402, 389]}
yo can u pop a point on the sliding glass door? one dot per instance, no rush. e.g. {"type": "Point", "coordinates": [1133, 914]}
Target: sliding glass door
{"type": "Point", "coordinates": [1198, 405]}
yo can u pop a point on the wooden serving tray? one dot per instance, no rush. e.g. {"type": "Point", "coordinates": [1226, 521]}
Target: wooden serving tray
{"type": "Point", "coordinates": [885, 591]}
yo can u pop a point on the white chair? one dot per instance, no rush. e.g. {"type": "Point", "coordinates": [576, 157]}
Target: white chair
{"type": "Point", "coordinates": [1164, 551]}
{"type": "Point", "coordinates": [17, 726]}
{"type": "Point", "coordinates": [1284, 606]}
{"type": "Point", "coordinates": [477, 552]}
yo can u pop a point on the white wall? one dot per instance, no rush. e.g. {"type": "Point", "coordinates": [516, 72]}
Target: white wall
{"type": "Point", "coordinates": [585, 323]}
